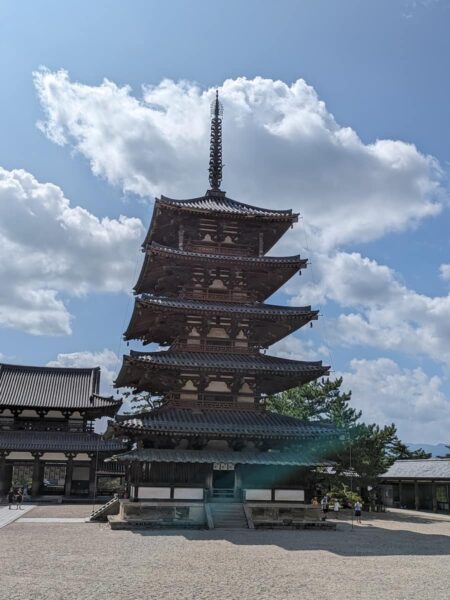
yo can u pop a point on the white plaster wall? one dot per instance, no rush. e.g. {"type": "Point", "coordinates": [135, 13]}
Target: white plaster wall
{"type": "Point", "coordinates": [217, 386]}
{"type": "Point", "coordinates": [53, 456]}
{"type": "Point", "coordinates": [217, 332]}
{"type": "Point", "coordinates": [154, 493]}
{"type": "Point", "coordinates": [29, 413]}
{"type": "Point", "coordinates": [188, 493]}
{"type": "Point", "coordinates": [82, 456]}
{"type": "Point", "coordinates": [54, 414]}
{"type": "Point", "coordinates": [217, 444]}
{"type": "Point", "coordinates": [20, 456]}
{"type": "Point", "coordinates": [290, 495]}
{"type": "Point", "coordinates": [258, 495]}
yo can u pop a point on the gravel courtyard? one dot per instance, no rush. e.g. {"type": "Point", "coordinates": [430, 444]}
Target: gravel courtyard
{"type": "Point", "coordinates": [395, 556]}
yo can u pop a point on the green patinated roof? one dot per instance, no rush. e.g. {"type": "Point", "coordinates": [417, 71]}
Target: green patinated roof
{"type": "Point", "coordinates": [217, 456]}
{"type": "Point", "coordinates": [225, 423]}
{"type": "Point", "coordinates": [56, 441]}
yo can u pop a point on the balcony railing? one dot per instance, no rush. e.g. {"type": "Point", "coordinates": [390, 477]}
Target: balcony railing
{"type": "Point", "coordinates": [211, 400]}
{"type": "Point", "coordinates": [216, 296]}
{"type": "Point", "coordinates": [213, 346]}
{"type": "Point", "coordinates": [224, 249]}
{"type": "Point", "coordinates": [43, 425]}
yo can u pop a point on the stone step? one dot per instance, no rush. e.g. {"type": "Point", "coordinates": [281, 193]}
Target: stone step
{"type": "Point", "coordinates": [229, 515]}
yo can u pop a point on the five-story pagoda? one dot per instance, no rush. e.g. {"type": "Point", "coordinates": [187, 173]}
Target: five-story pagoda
{"type": "Point", "coordinates": [201, 293]}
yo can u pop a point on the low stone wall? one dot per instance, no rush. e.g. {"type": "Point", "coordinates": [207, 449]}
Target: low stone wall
{"type": "Point", "coordinates": [159, 515]}
{"type": "Point", "coordinates": [277, 514]}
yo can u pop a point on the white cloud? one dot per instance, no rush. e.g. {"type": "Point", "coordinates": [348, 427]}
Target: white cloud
{"type": "Point", "coordinates": [295, 348]}
{"type": "Point", "coordinates": [283, 148]}
{"type": "Point", "coordinates": [411, 399]}
{"type": "Point", "coordinates": [445, 272]}
{"type": "Point", "coordinates": [107, 360]}
{"type": "Point", "coordinates": [347, 191]}
{"type": "Point", "coordinates": [49, 248]}
{"type": "Point", "coordinates": [384, 312]}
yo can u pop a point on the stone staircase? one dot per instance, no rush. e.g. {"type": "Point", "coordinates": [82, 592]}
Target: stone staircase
{"type": "Point", "coordinates": [110, 508]}
{"type": "Point", "coordinates": [228, 515]}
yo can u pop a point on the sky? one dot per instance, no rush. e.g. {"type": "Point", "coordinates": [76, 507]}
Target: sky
{"type": "Point", "coordinates": [339, 110]}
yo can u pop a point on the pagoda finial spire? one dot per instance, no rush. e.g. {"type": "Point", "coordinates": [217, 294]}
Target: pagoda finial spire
{"type": "Point", "coordinates": [215, 148]}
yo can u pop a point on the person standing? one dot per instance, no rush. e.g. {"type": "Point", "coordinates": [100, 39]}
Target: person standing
{"type": "Point", "coordinates": [324, 506]}
{"type": "Point", "coordinates": [10, 497]}
{"type": "Point", "coordinates": [336, 508]}
{"type": "Point", "coordinates": [19, 498]}
{"type": "Point", "coordinates": [358, 509]}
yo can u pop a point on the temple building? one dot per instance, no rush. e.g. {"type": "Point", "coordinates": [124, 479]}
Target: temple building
{"type": "Point", "coordinates": [47, 441]}
{"type": "Point", "coordinates": [210, 448]}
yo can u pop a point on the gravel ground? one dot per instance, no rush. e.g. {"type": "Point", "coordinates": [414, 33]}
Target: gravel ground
{"type": "Point", "coordinates": [61, 510]}
{"type": "Point", "coordinates": [388, 556]}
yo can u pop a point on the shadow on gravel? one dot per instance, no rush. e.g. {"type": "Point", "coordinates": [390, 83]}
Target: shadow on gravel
{"type": "Point", "coordinates": [366, 540]}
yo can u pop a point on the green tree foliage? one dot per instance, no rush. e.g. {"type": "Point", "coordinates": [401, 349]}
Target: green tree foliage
{"type": "Point", "coordinates": [368, 448]}
{"type": "Point", "coordinates": [402, 452]}
{"type": "Point", "coordinates": [317, 401]}
{"type": "Point", "coordinates": [141, 402]}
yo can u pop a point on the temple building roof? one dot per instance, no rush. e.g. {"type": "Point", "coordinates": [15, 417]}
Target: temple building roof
{"type": "Point", "coordinates": [218, 203]}
{"type": "Point", "coordinates": [56, 441]}
{"type": "Point", "coordinates": [54, 388]}
{"type": "Point", "coordinates": [165, 269]}
{"type": "Point", "coordinates": [161, 320]}
{"type": "Point", "coordinates": [429, 468]}
{"type": "Point", "coordinates": [152, 370]}
{"type": "Point", "coordinates": [215, 205]}
{"type": "Point", "coordinates": [223, 423]}
{"type": "Point", "coordinates": [294, 458]}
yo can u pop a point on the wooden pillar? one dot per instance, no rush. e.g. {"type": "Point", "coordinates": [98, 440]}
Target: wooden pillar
{"type": "Point", "coordinates": [400, 495]}
{"type": "Point", "coordinates": [37, 474]}
{"type": "Point", "coordinates": [92, 476]}
{"type": "Point", "coordinates": [237, 481]}
{"type": "Point", "coordinates": [261, 244]}
{"type": "Point", "coordinates": [4, 486]}
{"type": "Point", "coordinates": [416, 495]}
{"type": "Point", "coordinates": [69, 474]}
{"type": "Point", "coordinates": [434, 496]}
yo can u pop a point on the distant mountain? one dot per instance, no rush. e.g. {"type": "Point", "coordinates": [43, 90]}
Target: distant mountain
{"type": "Point", "coordinates": [435, 449]}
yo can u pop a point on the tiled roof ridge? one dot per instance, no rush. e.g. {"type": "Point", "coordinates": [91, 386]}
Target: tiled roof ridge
{"type": "Point", "coordinates": [227, 357]}
{"type": "Point", "coordinates": [107, 398]}
{"type": "Point", "coordinates": [81, 370]}
{"type": "Point", "coordinates": [154, 247]}
{"type": "Point", "coordinates": [220, 203]}
{"type": "Point", "coordinates": [215, 305]}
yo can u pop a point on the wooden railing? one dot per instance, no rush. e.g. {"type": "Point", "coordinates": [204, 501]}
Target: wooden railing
{"type": "Point", "coordinates": [224, 249]}
{"type": "Point", "coordinates": [214, 296]}
{"type": "Point", "coordinates": [208, 346]}
{"type": "Point", "coordinates": [211, 401]}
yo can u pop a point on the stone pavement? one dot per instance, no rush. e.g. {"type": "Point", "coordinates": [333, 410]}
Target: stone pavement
{"type": "Point", "coordinates": [53, 520]}
{"type": "Point", "coordinates": [7, 516]}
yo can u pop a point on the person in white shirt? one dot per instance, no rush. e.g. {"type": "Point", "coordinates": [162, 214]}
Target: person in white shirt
{"type": "Point", "coordinates": [358, 509]}
{"type": "Point", "coordinates": [336, 508]}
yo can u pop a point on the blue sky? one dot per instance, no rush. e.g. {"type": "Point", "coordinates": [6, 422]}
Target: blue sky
{"type": "Point", "coordinates": [376, 217]}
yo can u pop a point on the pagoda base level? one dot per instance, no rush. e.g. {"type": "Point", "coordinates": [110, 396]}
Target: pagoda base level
{"type": "Point", "coordinates": [201, 515]}
{"type": "Point", "coordinates": [159, 515]}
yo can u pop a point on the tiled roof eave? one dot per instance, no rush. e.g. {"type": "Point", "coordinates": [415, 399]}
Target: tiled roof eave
{"type": "Point", "coordinates": [278, 261]}
{"type": "Point", "coordinates": [203, 456]}
{"type": "Point", "coordinates": [55, 441]}
{"type": "Point", "coordinates": [225, 433]}
{"type": "Point", "coordinates": [259, 310]}
{"type": "Point", "coordinates": [238, 363]}
{"type": "Point", "coordinates": [220, 205]}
